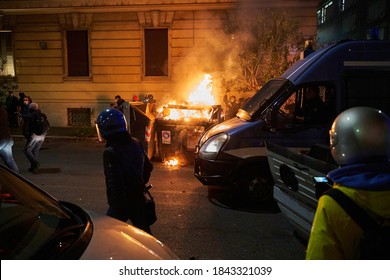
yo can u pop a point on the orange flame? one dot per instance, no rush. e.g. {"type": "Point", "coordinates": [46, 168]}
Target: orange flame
{"type": "Point", "coordinates": [197, 104]}
{"type": "Point", "coordinates": [202, 94]}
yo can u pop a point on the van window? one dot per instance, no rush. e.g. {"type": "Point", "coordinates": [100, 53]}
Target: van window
{"type": "Point", "coordinates": [310, 104]}
{"type": "Point", "coordinates": [261, 100]}
{"type": "Point", "coordinates": [367, 88]}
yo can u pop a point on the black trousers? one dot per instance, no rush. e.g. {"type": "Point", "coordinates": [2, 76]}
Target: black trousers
{"type": "Point", "coordinates": [135, 212]}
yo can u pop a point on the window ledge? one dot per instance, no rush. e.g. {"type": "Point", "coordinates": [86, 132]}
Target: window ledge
{"type": "Point", "coordinates": [73, 79]}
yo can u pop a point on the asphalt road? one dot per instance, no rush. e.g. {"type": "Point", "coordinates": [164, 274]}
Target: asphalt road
{"type": "Point", "coordinates": [195, 221]}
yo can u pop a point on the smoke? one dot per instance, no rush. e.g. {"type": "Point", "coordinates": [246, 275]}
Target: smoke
{"type": "Point", "coordinates": [241, 51]}
{"type": "Point", "coordinates": [216, 52]}
{"type": "Point", "coordinates": [202, 59]}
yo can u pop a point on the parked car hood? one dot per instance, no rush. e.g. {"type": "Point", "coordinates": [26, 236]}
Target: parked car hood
{"type": "Point", "coordinates": [115, 240]}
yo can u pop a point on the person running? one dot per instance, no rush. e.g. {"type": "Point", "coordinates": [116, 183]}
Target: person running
{"type": "Point", "coordinates": [35, 130]}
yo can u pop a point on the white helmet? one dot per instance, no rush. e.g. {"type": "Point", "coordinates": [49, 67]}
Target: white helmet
{"type": "Point", "coordinates": [360, 134]}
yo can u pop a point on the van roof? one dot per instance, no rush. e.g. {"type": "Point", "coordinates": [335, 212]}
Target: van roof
{"type": "Point", "coordinates": [325, 63]}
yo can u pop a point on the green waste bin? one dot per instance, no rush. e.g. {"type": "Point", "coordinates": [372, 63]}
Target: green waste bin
{"type": "Point", "coordinates": [142, 127]}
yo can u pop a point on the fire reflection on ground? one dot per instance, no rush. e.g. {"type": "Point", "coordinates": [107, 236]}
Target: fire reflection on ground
{"type": "Point", "coordinates": [174, 162]}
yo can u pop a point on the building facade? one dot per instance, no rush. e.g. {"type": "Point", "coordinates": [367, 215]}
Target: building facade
{"type": "Point", "coordinates": [73, 56]}
{"type": "Point", "coordinates": [353, 19]}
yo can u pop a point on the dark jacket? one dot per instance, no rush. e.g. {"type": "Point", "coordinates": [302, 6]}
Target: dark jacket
{"type": "Point", "coordinates": [28, 122]}
{"type": "Point", "coordinates": [123, 161]}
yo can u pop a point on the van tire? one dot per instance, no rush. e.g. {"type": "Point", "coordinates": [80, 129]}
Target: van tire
{"type": "Point", "coordinates": [253, 186]}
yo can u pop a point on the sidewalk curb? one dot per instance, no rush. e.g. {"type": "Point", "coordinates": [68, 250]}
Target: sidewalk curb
{"type": "Point", "coordinates": [50, 139]}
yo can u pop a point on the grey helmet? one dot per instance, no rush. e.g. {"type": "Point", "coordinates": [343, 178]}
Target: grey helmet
{"type": "Point", "coordinates": [360, 134]}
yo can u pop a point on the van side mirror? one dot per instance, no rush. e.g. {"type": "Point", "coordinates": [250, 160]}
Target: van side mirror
{"type": "Point", "coordinates": [269, 120]}
{"type": "Point", "coordinates": [268, 116]}
{"type": "Point", "coordinates": [242, 114]}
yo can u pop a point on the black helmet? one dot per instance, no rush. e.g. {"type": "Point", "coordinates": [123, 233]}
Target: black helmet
{"type": "Point", "coordinates": [110, 121]}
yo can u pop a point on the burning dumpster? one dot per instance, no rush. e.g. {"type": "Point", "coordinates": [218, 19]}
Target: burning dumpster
{"type": "Point", "coordinates": [171, 132]}
{"type": "Point", "coordinates": [179, 128]}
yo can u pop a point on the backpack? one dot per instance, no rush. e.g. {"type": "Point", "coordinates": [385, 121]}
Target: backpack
{"type": "Point", "coordinates": [375, 242]}
{"type": "Point", "coordinates": [40, 124]}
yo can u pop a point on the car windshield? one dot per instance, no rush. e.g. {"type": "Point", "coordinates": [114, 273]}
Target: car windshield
{"type": "Point", "coordinates": [29, 217]}
{"type": "Point", "coordinates": [261, 100]}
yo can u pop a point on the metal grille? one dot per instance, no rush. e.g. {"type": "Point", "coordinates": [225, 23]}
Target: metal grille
{"type": "Point", "coordinates": [79, 116]}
